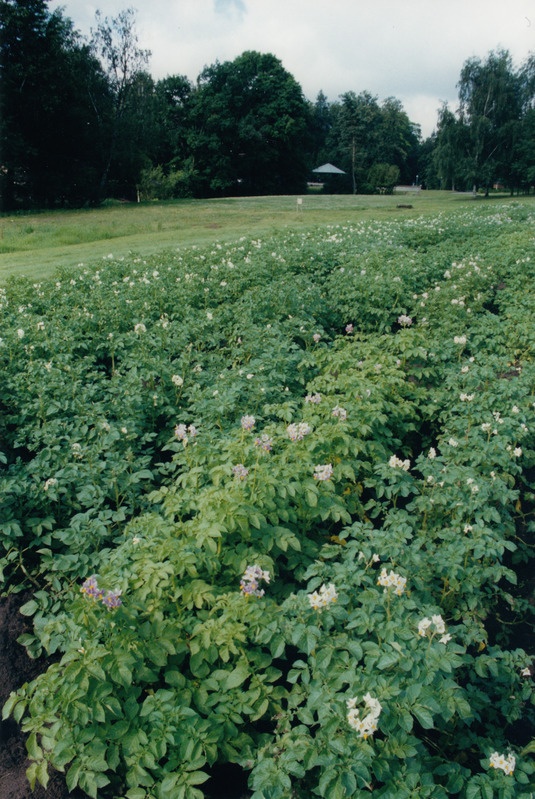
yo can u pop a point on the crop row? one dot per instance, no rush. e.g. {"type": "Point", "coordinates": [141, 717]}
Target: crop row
{"type": "Point", "coordinates": [275, 503]}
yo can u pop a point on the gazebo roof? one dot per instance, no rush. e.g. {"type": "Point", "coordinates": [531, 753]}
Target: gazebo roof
{"type": "Point", "coordinates": [329, 169]}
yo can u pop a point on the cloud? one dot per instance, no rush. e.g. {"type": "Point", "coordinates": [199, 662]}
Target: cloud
{"type": "Point", "coordinates": [230, 7]}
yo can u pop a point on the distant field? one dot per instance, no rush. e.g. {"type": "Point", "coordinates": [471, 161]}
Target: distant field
{"type": "Point", "coordinates": [36, 244]}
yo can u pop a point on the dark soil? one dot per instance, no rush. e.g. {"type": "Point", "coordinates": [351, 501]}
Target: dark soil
{"type": "Point", "coordinates": [16, 668]}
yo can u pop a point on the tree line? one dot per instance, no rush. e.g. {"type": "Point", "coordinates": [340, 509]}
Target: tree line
{"type": "Point", "coordinates": [83, 120]}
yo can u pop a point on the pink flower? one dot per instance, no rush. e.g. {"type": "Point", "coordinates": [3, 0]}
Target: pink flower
{"type": "Point", "coordinates": [250, 582]}
{"type": "Point", "coordinates": [112, 599]}
{"type": "Point", "coordinates": [264, 441]}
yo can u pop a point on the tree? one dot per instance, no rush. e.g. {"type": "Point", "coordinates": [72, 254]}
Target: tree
{"type": "Point", "coordinates": [249, 128]}
{"type": "Point", "coordinates": [115, 42]}
{"type": "Point", "coordinates": [398, 140]}
{"type": "Point", "coordinates": [449, 152]}
{"type": "Point", "coordinates": [490, 108]}
{"type": "Point", "coordinates": [364, 134]}
{"type": "Point", "coordinates": [321, 121]}
{"type": "Point", "coordinates": [523, 161]}
{"type": "Point", "coordinates": [173, 102]}
{"type": "Point", "coordinates": [383, 177]}
{"type": "Point", "coordinates": [49, 81]}
{"type": "Point", "coordinates": [359, 136]}
{"type": "Point", "coordinates": [490, 139]}
{"type": "Point", "coordinates": [427, 171]}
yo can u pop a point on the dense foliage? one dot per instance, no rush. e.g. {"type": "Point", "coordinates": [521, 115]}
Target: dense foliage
{"type": "Point", "coordinates": [84, 121]}
{"type": "Point", "coordinates": [248, 128]}
{"type": "Point", "coordinates": [274, 500]}
{"type": "Point", "coordinates": [375, 144]}
{"type": "Point", "coordinates": [50, 84]}
{"type": "Point", "coordinates": [490, 139]}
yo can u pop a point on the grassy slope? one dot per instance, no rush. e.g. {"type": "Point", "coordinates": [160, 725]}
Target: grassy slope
{"type": "Point", "coordinates": [35, 245]}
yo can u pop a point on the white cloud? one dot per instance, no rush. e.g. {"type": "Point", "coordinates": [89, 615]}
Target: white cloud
{"type": "Point", "coordinates": [230, 7]}
{"type": "Point", "coordinates": [410, 49]}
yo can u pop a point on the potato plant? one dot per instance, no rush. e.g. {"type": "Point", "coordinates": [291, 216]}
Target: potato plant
{"type": "Point", "coordinates": [274, 500]}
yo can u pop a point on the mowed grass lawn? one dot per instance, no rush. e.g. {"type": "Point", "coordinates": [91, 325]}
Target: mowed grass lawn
{"type": "Point", "coordinates": [36, 244]}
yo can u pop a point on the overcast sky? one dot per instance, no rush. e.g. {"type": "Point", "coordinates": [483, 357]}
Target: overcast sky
{"type": "Point", "coordinates": [410, 49]}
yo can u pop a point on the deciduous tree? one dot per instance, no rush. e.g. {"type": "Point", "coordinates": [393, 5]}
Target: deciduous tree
{"type": "Point", "coordinates": [49, 132]}
{"type": "Point", "coordinates": [115, 42]}
{"type": "Point", "coordinates": [449, 154]}
{"type": "Point", "coordinates": [365, 133]}
{"type": "Point", "coordinates": [173, 102]}
{"type": "Point", "coordinates": [490, 107]}
{"type": "Point", "coordinates": [249, 128]}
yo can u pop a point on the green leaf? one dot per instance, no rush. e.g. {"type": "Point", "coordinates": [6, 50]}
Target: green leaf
{"type": "Point", "coordinates": [236, 677]}
{"type": "Point", "coordinates": [116, 731]}
{"type": "Point", "coordinates": [42, 774]}
{"type": "Point", "coordinates": [9, 705]}
{"type": "Point", "coordinates": [311, 498]}
{"type": "Point", "coordinates": [168, 787]}
{"type": "Point", "coordinates": [31, 774]}
{"type": "Point", "coordinates": [413, 692]}
{"type": "Point", "coordinates": [277, 645]}
{"type": "Point", "coordinates": [88, 784]}
{"type": "Point", "coordinates": [157, 654]}
{"type": "Point", "coordinates": [529, 749]}
{"type": "Point", "coordinates": [260, 710]}
{"type": "Point", "coordinates": [73, 775]}
{"type": "Point", "coordinates": [487, 792]}
{"type": "Point", "coordinates": [19, 711]}
{"type": "Point", "coordinates": [327, 778]}
{"type": "Point", "coordinates": [349, 783]}
{"type": "Point", "coordinates": [175, 678]}
{"type": "Point", "coordinates": [324, 657]}
{"type": "Point", "coordinates": [424, 716]}
{"type": "Point", "coordinates": [121, 674]}
{"type": "Point", "coordinates": [387, 660]}
{"type": "Point", "coordinates": [406, 721]}
{"type": "Point", "coordinates": [33, 748]}
{"type": "Point", "coordinates": [131, 707]}
{"type": "Point", "coordinates": [143, 474]}
{"type": "Point", "coordinates": [29, 608]}
{"type": "Point", "coordinates": [136, 793]}
{"type": "Point", "coordinates": [197, 777]}
{"type": "Point", "coordinates": [306, 716]}
{"type": "Point", "coordinates": [94, 668]}
{"type": "Point", "coordinates": [455, 783]}
{"type": "Point", "coordinates": [355, 649]}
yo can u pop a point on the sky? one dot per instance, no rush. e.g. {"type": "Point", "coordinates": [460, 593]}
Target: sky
{"type": "Point", "coordinates": [413, 50]}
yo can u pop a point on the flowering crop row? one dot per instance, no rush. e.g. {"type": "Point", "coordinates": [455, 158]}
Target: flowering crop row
{"type": "Point", "coordinates": [286, 527]}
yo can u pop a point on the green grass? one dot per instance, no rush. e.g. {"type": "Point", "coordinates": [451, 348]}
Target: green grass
{"type": "Point", "coordinates": [36, 244]}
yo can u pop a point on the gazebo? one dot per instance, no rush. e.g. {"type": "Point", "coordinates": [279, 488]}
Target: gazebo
{"type": "Point", "coordinates": [328, 169]}
{"type": "Point", "coordinates": [327, 177]}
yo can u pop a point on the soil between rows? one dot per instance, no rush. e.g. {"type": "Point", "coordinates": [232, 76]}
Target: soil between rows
{"type": "Point", "coordinates": [16, 668]}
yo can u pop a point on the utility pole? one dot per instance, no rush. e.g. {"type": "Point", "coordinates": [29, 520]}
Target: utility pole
{"type": "Point", "coordinates": [353, 166]}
